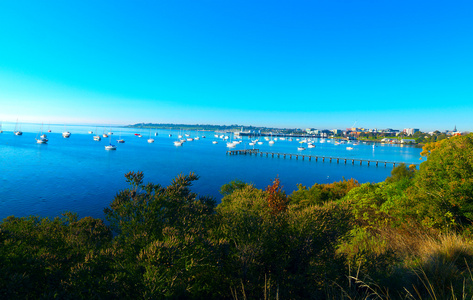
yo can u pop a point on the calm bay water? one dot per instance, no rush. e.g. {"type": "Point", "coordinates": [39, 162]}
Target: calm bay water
{"type": "Point", "coordinates": [77, 174]}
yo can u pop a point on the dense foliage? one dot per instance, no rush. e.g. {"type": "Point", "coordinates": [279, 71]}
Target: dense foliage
{"type": "Point", "coordinates": [407, 237]}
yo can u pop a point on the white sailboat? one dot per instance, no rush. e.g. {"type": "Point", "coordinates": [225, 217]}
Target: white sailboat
{"type": "Point", "coordinates": [66, 134]}
{"type": "Point", "coordinates": [150, 140]}
{"type": "Point", "coordinates": [42, 137]}
{"type": "Point", "coordinates": [271, 142]}
{"type": "Point", "coordinates": [97, 137]}
{"type": "Point", "coordinates": [17, 132]}
{"type": "Point", "coordinates": [231, 144]}
{"type": "Point", "coordinates": [120, 140]}
{"type": "Point", "coordinates": [110, 146]}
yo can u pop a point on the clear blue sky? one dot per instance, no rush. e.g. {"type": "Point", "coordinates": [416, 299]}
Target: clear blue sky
{"type": "Point", "coordinates": [320, 64]}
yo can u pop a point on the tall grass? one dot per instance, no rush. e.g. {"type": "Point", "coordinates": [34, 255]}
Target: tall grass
{"type": "Point", "coordinates": [428, 265]}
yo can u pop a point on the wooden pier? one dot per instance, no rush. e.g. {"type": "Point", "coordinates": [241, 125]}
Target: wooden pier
{"type": "Point", "coordinates": [316, 158]}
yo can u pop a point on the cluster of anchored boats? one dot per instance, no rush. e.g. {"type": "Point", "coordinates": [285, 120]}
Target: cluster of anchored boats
{"type": "Point", "coordinates": [231, 141]}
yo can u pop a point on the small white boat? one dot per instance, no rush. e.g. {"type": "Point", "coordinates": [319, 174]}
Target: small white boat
{"type": "Point", "coordinates": [260, 143]}
{"type": "Point", "coordinates": [155, 134]}
{"type": "Point", "coordinates": [216, 135]}
{"type": "Point", "coordinates": [42, 140]}
{"type": "Point", "coordinates": [42, 137]}
{"type": "Point", "coordinates": [271, 142]}
{"type": "Point", "coordinates": [214, 142]}
{"type": "Point", "coordinates": [187, 135]}
{"type": "Point", "coordinates": [190, 139]}
{"type": "Point", "coordinates": [105, 135]}
{"type": "Point", "coordinates": [97, 138]}
{"type": "Point", "coordinates": [110, 146]}
{"type": "Point", "coordinates": [139, 135]}
{"type": "Point", "coordinates": [120, 141]}
{"type": "Point", "coordinates": [170, 135]}
{"type": "Point", "coordinates": [310, 146]}
{"type": "Point", "coordinates": [251, 144]}
{"type": "Point", "coordinates": [177, 143]}
{"type": "Point", "coordinates": [66, 134]}
{"type": "Point", "coordinates": [231, 145]}
{"type": "Point", "coordinates": [349, 148]}
{"type": "Point", "coordinates": [196, 138]}
{"type": "Point", "coordinates": [91, 132]}
{"type": "Point", "coordinates": [203, 136]}
{"type": "Point", "coordinates": [17, 132]}
{"type": "Point", "coordinates": [300, 148]}
{"type": "Point", "coordinates": [150, 141]}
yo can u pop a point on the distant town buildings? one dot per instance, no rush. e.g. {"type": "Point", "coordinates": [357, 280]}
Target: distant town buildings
{"type": "Point", "coordinates": [410, 131]}
{"type": "Point", "coordinates": [388, 135]}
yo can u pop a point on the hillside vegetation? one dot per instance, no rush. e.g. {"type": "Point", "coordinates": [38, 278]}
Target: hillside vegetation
{"type": "Point", "coordinates": [409, 237]}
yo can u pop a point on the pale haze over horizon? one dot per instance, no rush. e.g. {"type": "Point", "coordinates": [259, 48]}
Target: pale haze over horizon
{"type": "Point", "coordinates": [319, 64]}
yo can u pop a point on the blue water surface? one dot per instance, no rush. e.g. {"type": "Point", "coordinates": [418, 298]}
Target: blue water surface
{"type": "Point", "coordinates": [77, 174]}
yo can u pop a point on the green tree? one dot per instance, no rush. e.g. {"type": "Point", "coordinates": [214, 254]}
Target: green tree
{"type": "Point", "coordinates": [445, 181]}
{"type": "Point", "coordinates": [229, 188]}
{"type": "Point", "coordinates": [164, 235]}
{"type": "Point", "coordinates": [401, 172]}
{"type": "Point", "coordinates": [39, 257]}
{"type": "Point", "coordinates": [319, 194]}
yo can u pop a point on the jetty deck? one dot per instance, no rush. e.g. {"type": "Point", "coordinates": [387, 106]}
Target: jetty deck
{"type": "Point", "coordinates": [316, 158]}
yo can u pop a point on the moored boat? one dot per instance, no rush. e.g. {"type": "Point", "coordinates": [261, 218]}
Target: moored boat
{"type": "Point", "coordinates": [110, 147]}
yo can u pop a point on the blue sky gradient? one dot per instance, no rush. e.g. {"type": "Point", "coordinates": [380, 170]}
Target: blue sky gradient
{"type": "Point", "coordinates": [320, 64]}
